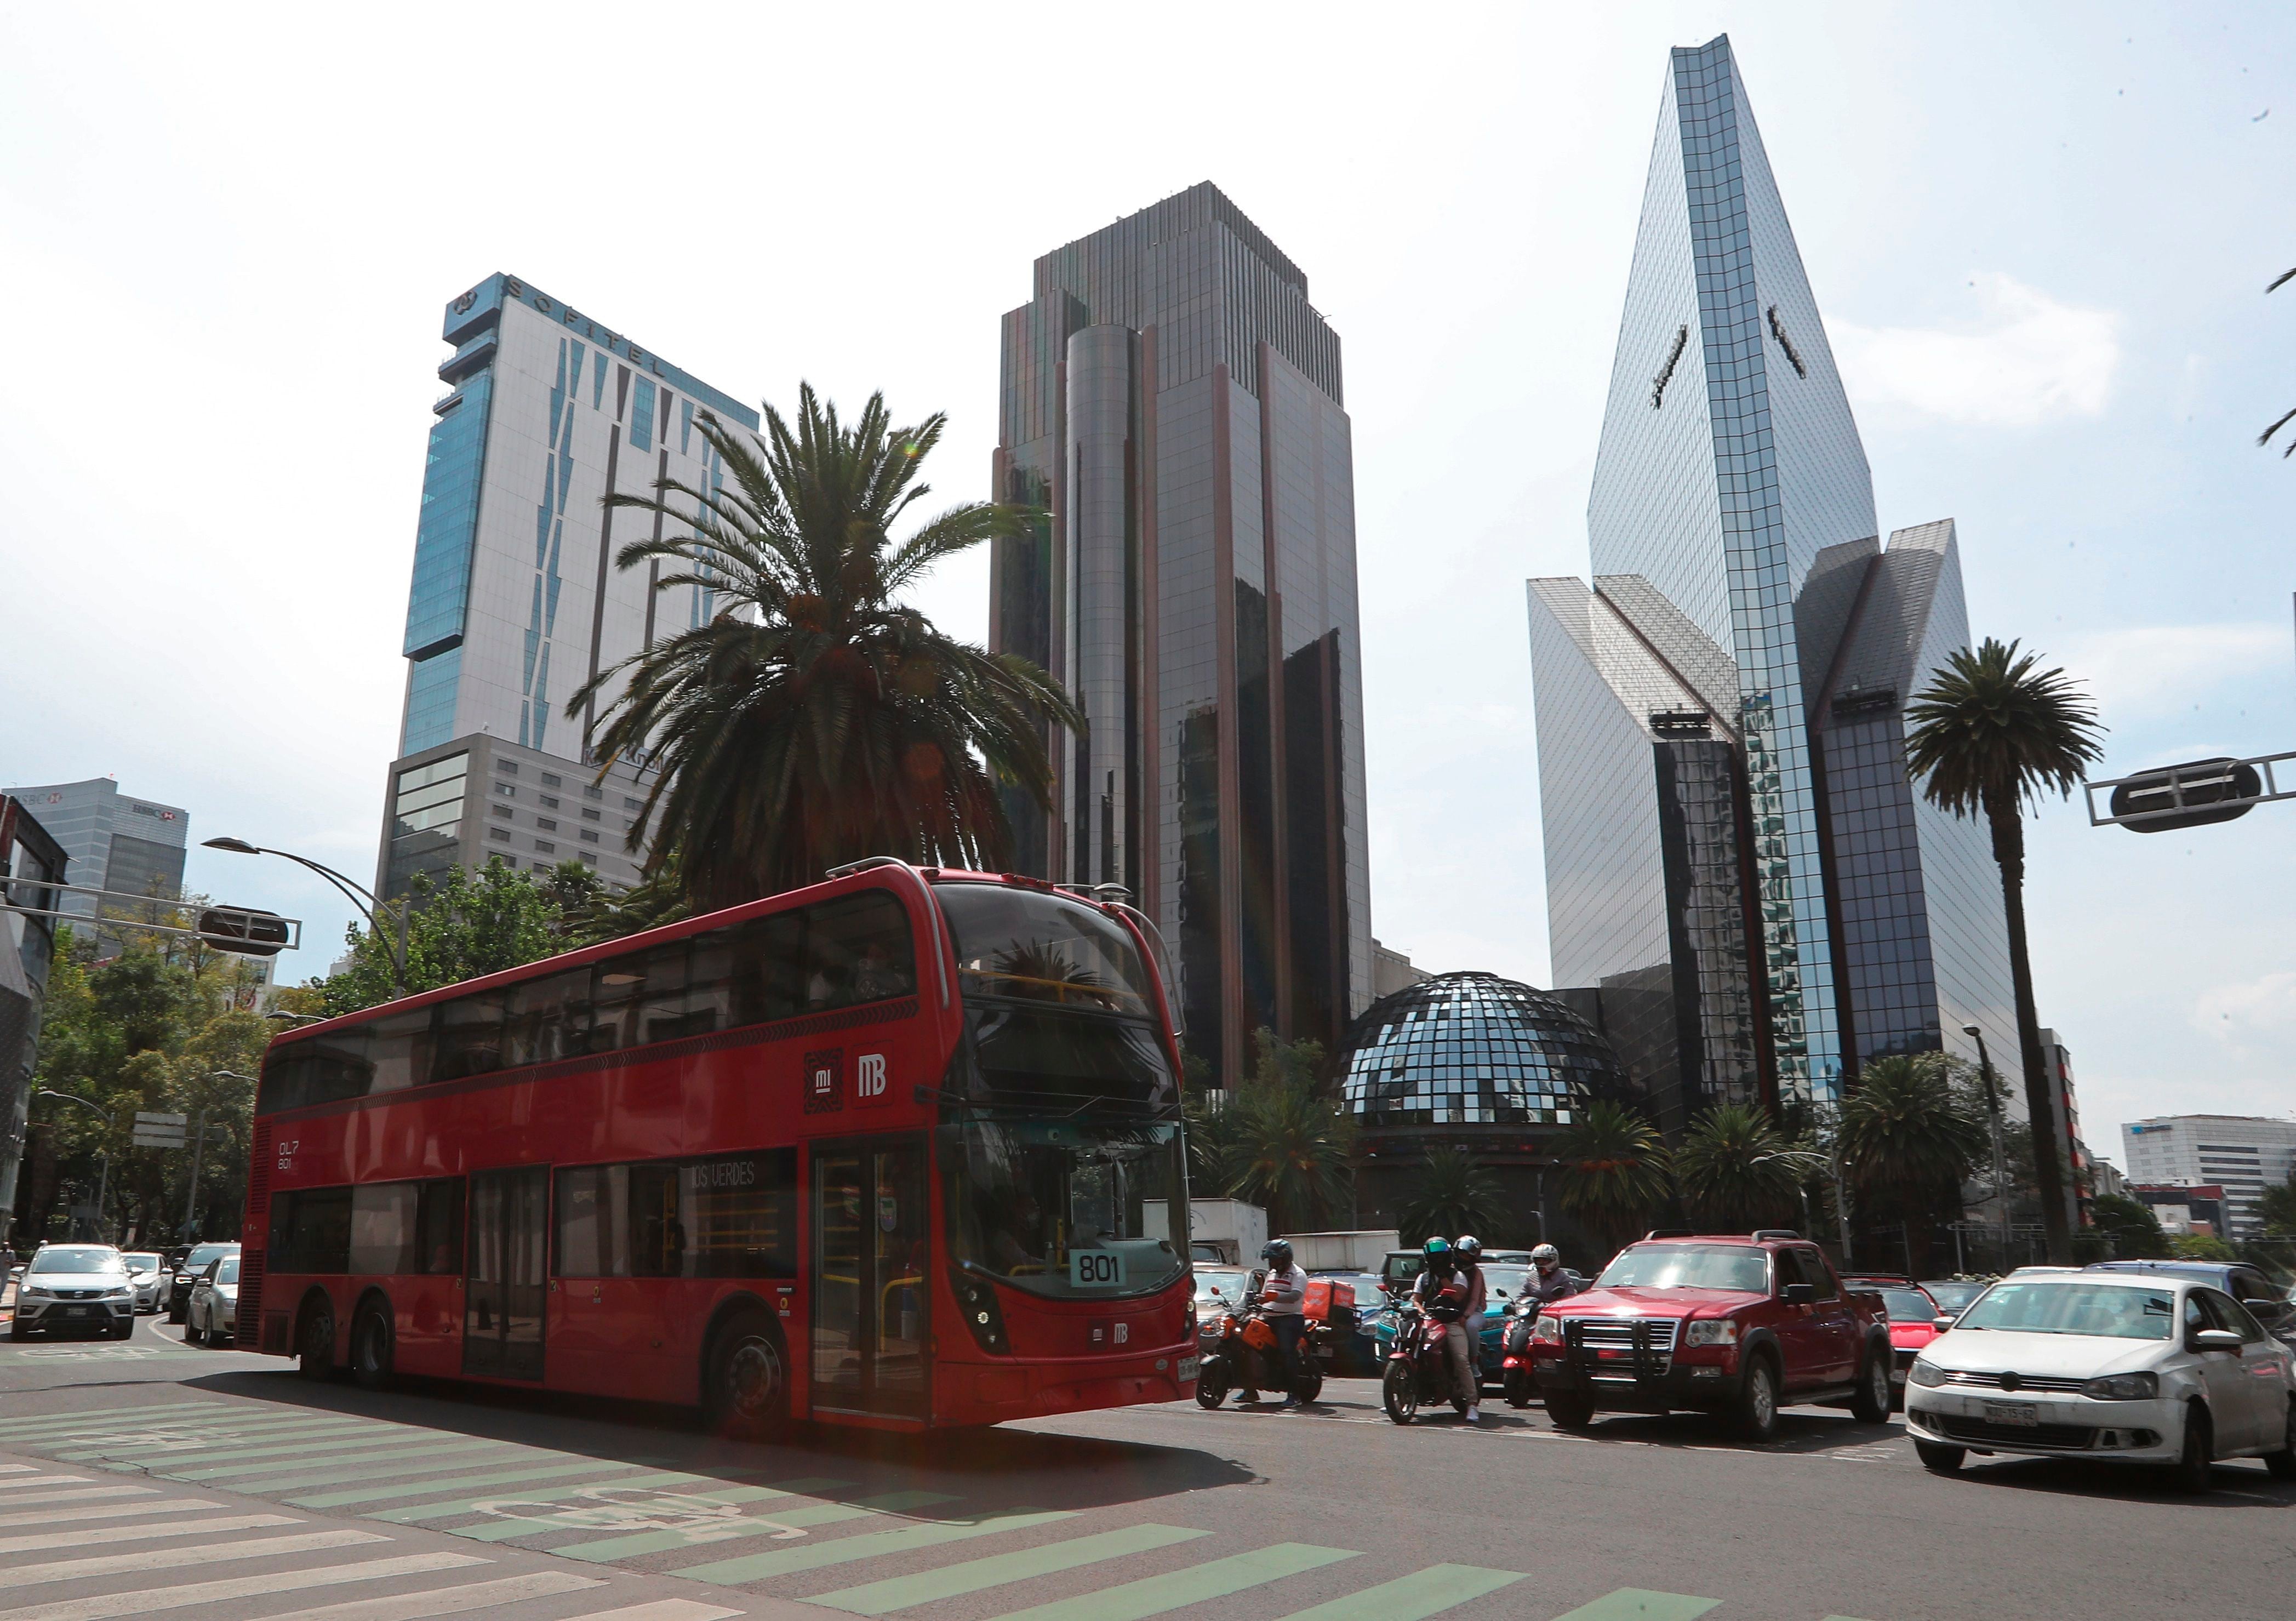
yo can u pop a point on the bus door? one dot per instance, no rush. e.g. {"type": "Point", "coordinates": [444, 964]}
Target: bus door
{"type": "Point", "coordinates": [870, 1249]}
{"type": "Point", "coordinates": [505, 1287]}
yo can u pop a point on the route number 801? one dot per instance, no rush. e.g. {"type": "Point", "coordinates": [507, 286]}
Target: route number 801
{"type": "Point", "coordinates": [286, 1152]}
{"type": "Point", "coordinates": [1096, 1268]}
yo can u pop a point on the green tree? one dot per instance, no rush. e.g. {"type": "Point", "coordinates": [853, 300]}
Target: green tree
{"type": "Point", "coordinates": [467, 924]}
{"type": "Point", "coordinates": [814, 720]}
{"type": "Point", "coordinates": [1614, 1170]}
{"type": "Point", "coordinates": [1990, 735]}
{"type": "Point", "coordinates": [1737, 1171]}
{"type": "Point", "coordinates": [1454, 1194]}
{"type": "Point", "coordinates": [2276, 1207]}
{"type": "Point", "coordinates": [1278, 1141]}
{"type": "Point", "coordinates": [2201, 1247]}
{"type": "Point", "coordinates": [1908, 1149]}
{"type": "Point", "coordinates": [2131, 1225]}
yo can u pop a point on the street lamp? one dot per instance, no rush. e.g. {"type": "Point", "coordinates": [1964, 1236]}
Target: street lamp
{"type": "Point", "coordinates": [1993, 1108]}
{"type": "Point", "coordinates": [103, 1177]}
{"type": "Point", "coordinates": [358, 895]}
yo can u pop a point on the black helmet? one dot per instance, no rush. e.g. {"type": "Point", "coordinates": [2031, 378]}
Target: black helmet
{"type": "Point", "coordinates": [1469, 1248]}
{"type": "Point", "coordinates": [1277, 1253]}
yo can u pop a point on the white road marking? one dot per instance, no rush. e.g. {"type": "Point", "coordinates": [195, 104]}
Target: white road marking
{"type": "Point", "coordinates": [49, 1540]}
{"type": "Point", "coordinates": [151, 1600]}
{"type": "Point", "coordinates": [30, 1480]}
{"type": "Point", "coordinates": [107, 1510]}
{"type": "Point", "coordinates": [455, 1601]}
{"type": "Point", "coordinates": [661, 1609]}
{"type": "Point", "coordinates": [172, 1559]}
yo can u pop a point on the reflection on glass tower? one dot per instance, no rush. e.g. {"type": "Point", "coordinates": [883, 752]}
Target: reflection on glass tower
{"type": "Point", "coordinates": [1696, 859]}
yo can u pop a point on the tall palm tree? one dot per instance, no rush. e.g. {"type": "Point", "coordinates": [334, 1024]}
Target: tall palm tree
{"type": "Point", "coordinates": [1990, 734]}
{"type": "Point", "coordinates": [2265, 437]}
{"type": "Point", "coordinates": [1614, 1169]}
{"type": "Point", "coordinates": [1285, 1146]}
{"type": "Point", "coordinates": [1454, 1194]}
{"type": "Point", "coordinates": [1906, 1140]}
{"type": "Point", "coordinates": [1736, 1168]}
{"type": "Point", "coordinates": [814, 720]}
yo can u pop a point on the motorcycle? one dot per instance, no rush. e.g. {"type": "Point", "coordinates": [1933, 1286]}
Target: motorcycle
{"type": "Point", "coordinates": [1516, 1377]}
{"type": "Point", "coordinates": [1418, 1369]}
{"type": "Point", "coordinates": [1240, 1354]}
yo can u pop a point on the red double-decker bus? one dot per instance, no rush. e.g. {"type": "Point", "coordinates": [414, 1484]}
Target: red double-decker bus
{"type": "Point", "coordinates": [872, 1153]}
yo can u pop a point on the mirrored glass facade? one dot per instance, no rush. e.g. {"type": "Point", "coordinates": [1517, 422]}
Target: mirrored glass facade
{"type": "Point", "coordinates": [1736, 862]}
{"type": "Point", "coordinates": [1474, 1050]}
{"type": "Point", "coordinates": [1172, 402]}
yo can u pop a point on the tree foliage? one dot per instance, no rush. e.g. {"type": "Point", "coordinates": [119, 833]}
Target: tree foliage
{"type": "Point", "coordinates": [2201, 1247]}
{"type": "Point", "coordinates": [2132, 1226]}
{"type": "Point", "coordinates": [814, 720]}
{"type": "Point", "coordinates": [1737, 1170]}
{"type": "Point", "coordinates": [1614, 1169]}
{"type": "Point", "coordinates": [2276, 1207]}
{"type": "Point", "coordinates": [1278, 1141]}
{"type": "Point", "coordinates": [468, 924]}
{"type": "Point", "coordinates": [1454, 1194]}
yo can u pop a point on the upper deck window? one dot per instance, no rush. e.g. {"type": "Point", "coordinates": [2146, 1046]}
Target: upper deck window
{"type": "Point", "coordinates": [1028, 946]}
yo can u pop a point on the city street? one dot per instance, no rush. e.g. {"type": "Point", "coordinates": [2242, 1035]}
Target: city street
{"type": "Point", "coordinates": [146, 1475]}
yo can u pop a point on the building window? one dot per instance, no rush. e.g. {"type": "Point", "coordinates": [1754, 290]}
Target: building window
{"type": "Point", "coordinates": [545, 846]}
{"type": "Point", "coordinates": [589, 837]}
{"type": "Point", "coordinates": [630, 804]}
{"type": "Point", "coordinates": [501, 811]}
{"type": "Point", "coordinates": [506, 790]}
{"type": "Point", "coordinates": [501, 833]}
{"type": "Point", "coordinates": [550, 800]}
{"type": "Point", "coordinates": [594, 793]}
{"type": "Point", "coordinates": [548, 781]}
{"type": "Point", "coordinates": [590, 815]}
{"type": "Point", "coordinates": [509, 768]}
{"type": "Point", "coordinates": [588, 860]}
{"type": "Point", "coordinates": [546, 825]}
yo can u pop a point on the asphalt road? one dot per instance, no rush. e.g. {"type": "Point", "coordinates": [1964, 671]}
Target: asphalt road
{"type": "Point", "coordinates": [146, 1476]}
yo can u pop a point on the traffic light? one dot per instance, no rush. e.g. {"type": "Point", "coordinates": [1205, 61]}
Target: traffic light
{"type": "Point", "coordinates": [246, 932]}
{"type": "Point", "coordinates": [2191, 795]}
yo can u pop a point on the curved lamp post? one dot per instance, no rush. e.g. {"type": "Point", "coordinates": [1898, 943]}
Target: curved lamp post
{"type": "Point", "coordinates": [358, 895]}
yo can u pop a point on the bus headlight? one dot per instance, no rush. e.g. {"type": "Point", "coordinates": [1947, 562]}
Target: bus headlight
{"type": "Point", "coordinates": [982, 1314]}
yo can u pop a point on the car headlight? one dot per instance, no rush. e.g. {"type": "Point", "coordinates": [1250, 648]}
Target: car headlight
{"type": "Point", "coordinates": [118, 1294]}
{"type": "Point", "coordinates": [1927, 1373]}
{"type": "Point", "coordinates": [33, 1291]}
{"type": "Point", "coordinates": [1711, 1331]}
{"type": "Point", "coordinates": [1548, 1328]}
{"type": "Point", "coordinates": [2123, 1387]}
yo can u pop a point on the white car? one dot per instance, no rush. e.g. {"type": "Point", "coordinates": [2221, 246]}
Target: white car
{"type": "Point", "coordinates": [2120, 1367]}
{"type": "Point", "coordinates": [75, 1288]}
{"type": "Point", "coordinates": [210, 1316]}
{"type": "Point", "coordinates": [144, 1271]}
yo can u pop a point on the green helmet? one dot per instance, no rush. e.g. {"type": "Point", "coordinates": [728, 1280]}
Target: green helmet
{"type": "Point", "coordinates": [1438, 1249]}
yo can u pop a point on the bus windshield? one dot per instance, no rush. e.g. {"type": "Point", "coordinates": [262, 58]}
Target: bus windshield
{"type": "Point", "coordinates": [1031, 947]}
{"type": "Point", "coordinates": [1053, 1204]}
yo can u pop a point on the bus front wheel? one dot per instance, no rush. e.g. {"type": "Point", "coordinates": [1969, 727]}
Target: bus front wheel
{"type": "Point", "coordinates": [745, 1388]}
{"type": "Point", "coordinates": [371, 1348]}
{"type": "Point", "coordinates": [316, 1347]}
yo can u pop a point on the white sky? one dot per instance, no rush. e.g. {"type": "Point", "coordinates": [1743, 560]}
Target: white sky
{"type": "Point", "coordinates": [2039, 243]}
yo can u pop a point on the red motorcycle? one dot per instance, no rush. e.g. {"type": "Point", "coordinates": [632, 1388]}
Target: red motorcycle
{"type": "Point", "coordinates": [1239, 1353]}
{"type": "Point", "coordinates": [1418, 1367]}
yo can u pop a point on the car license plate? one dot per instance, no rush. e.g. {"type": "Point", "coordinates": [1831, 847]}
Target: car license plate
{"type": "Point", "coordinates": [1188, 1368]}
{"type": "Point", "coordinates": [2020, 1415]}
{"type": "Point", "coordinates": [75, 1311]}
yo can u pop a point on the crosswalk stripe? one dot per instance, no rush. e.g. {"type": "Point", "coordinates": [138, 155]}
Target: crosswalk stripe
{"type": "Point", "coordinates": [9, 1427]}
{"type": "Point", "coordinates": [273, 1439]}
{"type": "Point", "coordinates": [205, 1554]}
{"type": "Point", "coordinates": [469, 1505]}
{"type": "Point", "coordinates": [106, 1605]}
{"type": "Point", "coordinates": [1633, 1604]}
{"type": "Point", "coordinates": [902, 1591]}
{"type": "Point", "coordinates": [1154, 1595]}
{"type": "Point", "coordinates": [80, 1493]}
{"type": "Point", "coordinates": [519, 1524]}
{"type": "Point", "coordinates": [1412, 1598]}
{"type": "Point", "coordinates": [248, 1422]}
{"type": "Point", "coordinates": [391, 1466]}
{"type": "Point", "coordinates": [845, 1550]}
{"type": "Point", "coordinates": [106, 1511]}
{"type": "Point", "coordinates": [15, 1468]}
{"type": "Point", "coordinates": [32, 1479]}
{"type": "Point", "coordinates": [792, 1519]}
{"type": "Point", "coordinates": [48, 1540]}
{"type": "Point", "coordinates": [378, 1452]}
{"type": "Point", "coordinates": [458, 1483]}
{"type": "Point", "coordinates": [660, 1609]}
{"type": "Point", "coordinates": [451, 1600]}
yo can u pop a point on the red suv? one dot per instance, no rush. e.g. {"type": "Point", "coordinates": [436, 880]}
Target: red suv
{"type": "Point", "coordinates": [1735, 1324]}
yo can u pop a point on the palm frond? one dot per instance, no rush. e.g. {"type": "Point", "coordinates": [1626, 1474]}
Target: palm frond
{"type": "Point", "coordinates": [1992, 733]}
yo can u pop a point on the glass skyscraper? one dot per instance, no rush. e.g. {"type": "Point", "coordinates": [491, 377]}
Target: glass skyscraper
{"type": "Point", "coordinates": [516, 602]}
{"type": "Point", "coordinates": [1172, 402]}
{"type": "Point", "coordinates": [1735, 859]}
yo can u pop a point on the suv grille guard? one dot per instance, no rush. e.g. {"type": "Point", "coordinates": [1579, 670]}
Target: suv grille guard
{"type": "Point", "coordinates": [1650, 1341]}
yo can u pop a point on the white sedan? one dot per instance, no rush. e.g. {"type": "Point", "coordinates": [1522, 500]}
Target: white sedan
{"type": "Point", "coordinates": [2126, 1368]}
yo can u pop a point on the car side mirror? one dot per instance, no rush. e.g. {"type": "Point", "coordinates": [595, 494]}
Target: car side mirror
{"type": "Point", "coordinates": [2216, 1339]}
{"type": "Point", "coordinates": [1801, 1294]}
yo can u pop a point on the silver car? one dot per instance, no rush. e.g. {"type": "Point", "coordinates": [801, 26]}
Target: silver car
{"type": "Point", "coordinates": [213, 1305]}
{"type": "Point", "coordinates": [2119, 1368]}
{"type": "Point", "coordinates": [75, 1288]}
{"type": "Point", "coordinates": [144, 1269]}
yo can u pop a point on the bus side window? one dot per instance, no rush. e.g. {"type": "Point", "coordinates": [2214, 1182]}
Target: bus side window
{"type": "Point", "coordinates": [857, 949]}
{"type": "Point", "coordinates": [399, 1050]}
{"type": "Point", "coordinates": [709, 969]}
{"type": "Point", "coordinates": [323, 1069]}
{"type": "Point", "coordinates": [617, 986]}
{"type": "Point", "coordinates": [468, 1037]}
{"type": "Point", "coordinates": [675, 1005]}
{"type": "Point", "coordinates": [593, 1221]}
{"type": "Point", "coordinates": [438, 1227]}
{"type": "Point", "coordinates": [311, 1231]}
{"type": "Point", "coordinates": [384, 1228]}
{"type": "Point", "coordinates": [765, 968]}
{"type": "Point", "coordinates": [656, 1236]}
{"type": "Point", "coordinates": [545, 1020]}
{"type": "Point", "coordinates": [742, 1214]}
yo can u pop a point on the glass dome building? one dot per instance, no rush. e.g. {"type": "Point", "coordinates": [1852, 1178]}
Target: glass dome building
{"type": "Point", "coordinates": [1473, 1049]}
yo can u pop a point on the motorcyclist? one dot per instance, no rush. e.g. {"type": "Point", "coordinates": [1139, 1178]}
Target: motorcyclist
{"type": "Point", "coordinates": [1548, 1281]}
{"type": "Point", "coordinates": [1444, 1291]}
{"type": "Point", "coordinates": [1469, 1249]}
{"type": "Point", "coordinates": [1283, 1297]}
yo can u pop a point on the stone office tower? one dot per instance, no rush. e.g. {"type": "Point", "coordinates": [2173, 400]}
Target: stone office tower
{"type": "Point", "coordinates": [1751, 929]}
{"type": "Point", "coordinates": [1173, 403]}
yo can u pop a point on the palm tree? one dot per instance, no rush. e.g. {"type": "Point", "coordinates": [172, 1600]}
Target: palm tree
{"type": "Point", "coordinates": [815, 720]}
{"type": "Point", "coordinates": [1906, 1140]}
{"type": "Point", "coordinates": [1282, 1145]}
{"type": "Point", "coordinates": [1736, 1168]}
{"type": "Point", "coordinates": [2265, 437]}
{"type": "Point", "coordinates": [1614, 1169]}
{"type": "Point", "coordinates": [1454, 1194]}
{"type": "Point", "coordinates": [1988, 734]}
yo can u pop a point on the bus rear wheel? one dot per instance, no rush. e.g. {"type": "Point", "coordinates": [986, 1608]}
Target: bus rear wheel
{"type": "Point", "coordinates": [314, 1349]}
{"type": "Point", "coordinates": [745, 1385]}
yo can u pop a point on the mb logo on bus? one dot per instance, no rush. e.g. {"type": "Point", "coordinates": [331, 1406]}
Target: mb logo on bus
{"type": "Point", "coordinates": [871, 1088]}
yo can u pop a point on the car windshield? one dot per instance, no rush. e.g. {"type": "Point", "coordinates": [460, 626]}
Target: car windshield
{"type": "Point", "coordinates": [2109, 1311]}
{"type": "Point", "coordinates": [141, 1263]}
{"type": "Point", "coordinates": [228, 1272]}
{"type": "Point", "coordinates": [1503, 1282]}
{"type": "Point", "coordinates": [1036, 947]}
{"type": "Point", "coordinates": [1952, 1295]}
{"type": "Point", "coordinates": [1055, 1204]}
{"type": "Point", "coordinates": [71, 1257]}
{"type": "Point", "coordinates": [1909, 1306]}
{"type": "Point", "coordinates": [1738, 1267]}
{"type": "Point", "coordinates": [205, 1253]}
